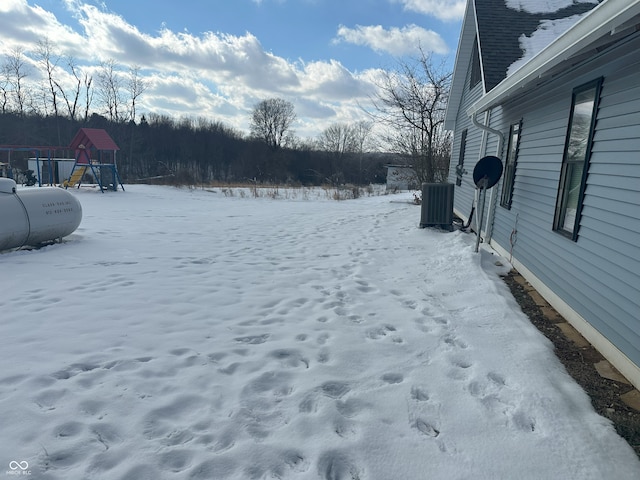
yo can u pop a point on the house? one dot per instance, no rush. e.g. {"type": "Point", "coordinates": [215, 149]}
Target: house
{"type": "Point", "coordinates": [553, 89]}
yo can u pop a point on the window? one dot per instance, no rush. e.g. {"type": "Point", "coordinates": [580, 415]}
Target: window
{"type": "Point", "coordinates": [460, 168]}
{"type": "Point", "coordinates": [577, 150]}
{"type": "Point", "coordinates": [510, 165]}
{"type": "Point", "coordinates": [476, 71]}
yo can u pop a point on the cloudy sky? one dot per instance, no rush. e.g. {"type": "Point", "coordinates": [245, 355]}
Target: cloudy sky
{"type": "Point", "coordinates": [218, 58]}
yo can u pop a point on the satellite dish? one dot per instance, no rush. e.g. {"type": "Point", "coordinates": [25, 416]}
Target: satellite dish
{"type": "Point", "coordinates": [487, 172]}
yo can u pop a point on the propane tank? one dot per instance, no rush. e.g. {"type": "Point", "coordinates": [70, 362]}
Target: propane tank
{"type": "Point", "coordinates": [35, 216]}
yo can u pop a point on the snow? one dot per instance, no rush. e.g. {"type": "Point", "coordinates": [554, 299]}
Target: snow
{"type": "Point", "coordinates": [543, 6]}
{"type": "Point", "coordinates": [191, 334]}
{"type": "Point", "coordinates": [546, 33]}
{"type": "Point", "coordinates": [548, 30]}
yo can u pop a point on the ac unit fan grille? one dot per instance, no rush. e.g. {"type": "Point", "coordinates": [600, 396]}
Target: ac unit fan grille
{"type": "Point", "coordinates": [437, 205]}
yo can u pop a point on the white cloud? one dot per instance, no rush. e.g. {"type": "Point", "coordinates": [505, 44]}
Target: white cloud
{"type": "Point", "coordinates": [331, 80]}
{"type": "Point", "coordinates": [446, 10]}
{"type": "Point", "coordinates": [213, 75]}
{"type": "Point", "coordinates": [23, 26]}
{"type": "Point", "coordinates": [396, 41]}
{"type": "Point", "coordinates": [180, 96]}
{"type": "Point", "coordinates": [189, 68]}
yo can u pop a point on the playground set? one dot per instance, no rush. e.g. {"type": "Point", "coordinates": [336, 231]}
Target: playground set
{"type": "Point", "coordinates": [95, 156]}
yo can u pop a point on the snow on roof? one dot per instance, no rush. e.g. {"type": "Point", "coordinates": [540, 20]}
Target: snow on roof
{"type": "Point", "coordinates": [600, 22]}
{"type": "Point", "coordinates": [543, 6]}
{"type": "Point", "coordinates": [510, 33]}
{"type": "Point", "coordinates": [548, 30]}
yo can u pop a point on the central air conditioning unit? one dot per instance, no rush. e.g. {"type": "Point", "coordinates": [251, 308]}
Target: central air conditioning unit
{"type": "Point", "coordinates": [437, 205]}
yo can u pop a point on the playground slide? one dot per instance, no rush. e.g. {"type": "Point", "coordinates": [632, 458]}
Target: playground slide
{"type": "Point", "coordinates": [76, 176]}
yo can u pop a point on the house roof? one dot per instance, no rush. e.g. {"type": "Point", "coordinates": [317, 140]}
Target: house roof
{"type": "Point", "coordinates": [608, 21]}
{"type": "Point", "coordinates": [93, 138]}
{"type": "Point", "coordinates": [510, 33]}
{"type": "Point", "coordinates": [461, 65]}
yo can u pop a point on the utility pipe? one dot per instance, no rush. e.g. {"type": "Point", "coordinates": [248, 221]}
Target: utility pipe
{"type": "Point", "coordinates": [492, 198]}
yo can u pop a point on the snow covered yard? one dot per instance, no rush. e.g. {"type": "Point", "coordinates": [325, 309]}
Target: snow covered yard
{"type": "Point", "coordinates": [185, 334]}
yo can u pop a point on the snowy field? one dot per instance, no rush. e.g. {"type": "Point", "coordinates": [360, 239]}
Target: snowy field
{"type": "Point", "coordinates": [189, 334]}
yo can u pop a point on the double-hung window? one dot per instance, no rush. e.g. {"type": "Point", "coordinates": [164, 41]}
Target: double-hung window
{"type": "Point", "coordinates": [460, 166]}
{"type": "Point", "coordinates": [575, 164]}
{"type": "Point", "coordinates": [510, 165]}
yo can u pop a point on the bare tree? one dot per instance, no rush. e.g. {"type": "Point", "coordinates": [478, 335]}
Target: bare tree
{"type": "Point", "coordinates": [345, 143]}
{"type": "Point", "coordinates": [361, 133]}
{"type": "Point", "coordinates": [71, 99]}
{"type": "Point", "coordinates": [411, 103]}
{"type": "Point", "coordinates": [135, 87]}
{"type": "Point", "coordinates": [338, 139]}
{"type": "Point", "coordinates": [16, 69]}
{"type": "Point", "coordinates": [110, 90]}
{"type": "Point", "coordinates": [271, 121]}
{"type": "Point", "coordinates": [87, 81]}
{"type": "Point", "coordinates": [39, 101]}
{"type": "Point", "coordinates": [48, 59]}
{"type": "Point", "coordinates": [5, 86]}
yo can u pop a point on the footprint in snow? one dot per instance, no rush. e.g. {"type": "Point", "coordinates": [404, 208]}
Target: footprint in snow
{"type": "Point", "coordinates": [460, 367]}
{"type": "Point", "coordinates": [253, 339]}
{"type": "Point", "coordinates": [489, 393]}
{"type": "Point", "coordinates": [335, 389]}
{"type": "Point", "coordinates": [419, 394]}
{"type": "Point", "coordinates": [351, 407]}
{"type": "Point", "coordinates": [426, 428]}
{"type": "Point", "coordinates": [392, 378]}
{"type": "Point", "coordinates": [454, 342]}
{"type": "Point", "coordinates": [424, 415]}
{"type": "Point", "coordinates": [337, 465]}
{"type": "Point", "coordinates": [290, 357]}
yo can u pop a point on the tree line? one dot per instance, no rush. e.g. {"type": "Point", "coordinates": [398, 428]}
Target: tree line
{"type": "Point", "coordinates": [410, 105]}
{"type": "Point", "coordinates": [162, 149]}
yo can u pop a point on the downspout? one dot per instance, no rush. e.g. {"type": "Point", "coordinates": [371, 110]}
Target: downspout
{"type": "Point", "coordinates": [487, 128]}
{"type": "Point", "coordinates": [482, 153]}
{"type": "Point", "coordinates": [493, 198]}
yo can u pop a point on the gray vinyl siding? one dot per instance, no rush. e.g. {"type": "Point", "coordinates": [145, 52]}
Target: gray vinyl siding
{"type": "Point", "coordinates": [599, 275]}
{"type": "Point", "coordinates": [464, 194]}
{"type": "Point", "coordinates": [495, 120]}
{"type": "Point", "coordinates": [539, 160]}
{"type": "Point", "coordinates": [494, 148]}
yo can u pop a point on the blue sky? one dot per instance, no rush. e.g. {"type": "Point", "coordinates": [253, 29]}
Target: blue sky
{"type": "Point", "coordinates": [218, 58]}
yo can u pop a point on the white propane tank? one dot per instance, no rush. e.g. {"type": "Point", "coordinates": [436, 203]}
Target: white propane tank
{"type": "Point", "coordinates": [34, 216]}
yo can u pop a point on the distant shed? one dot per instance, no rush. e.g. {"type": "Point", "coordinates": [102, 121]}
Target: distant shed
{"type": "Point", "coordinates": [53, 171]}
{"type": "Point", "coordinates": [401, 177]}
